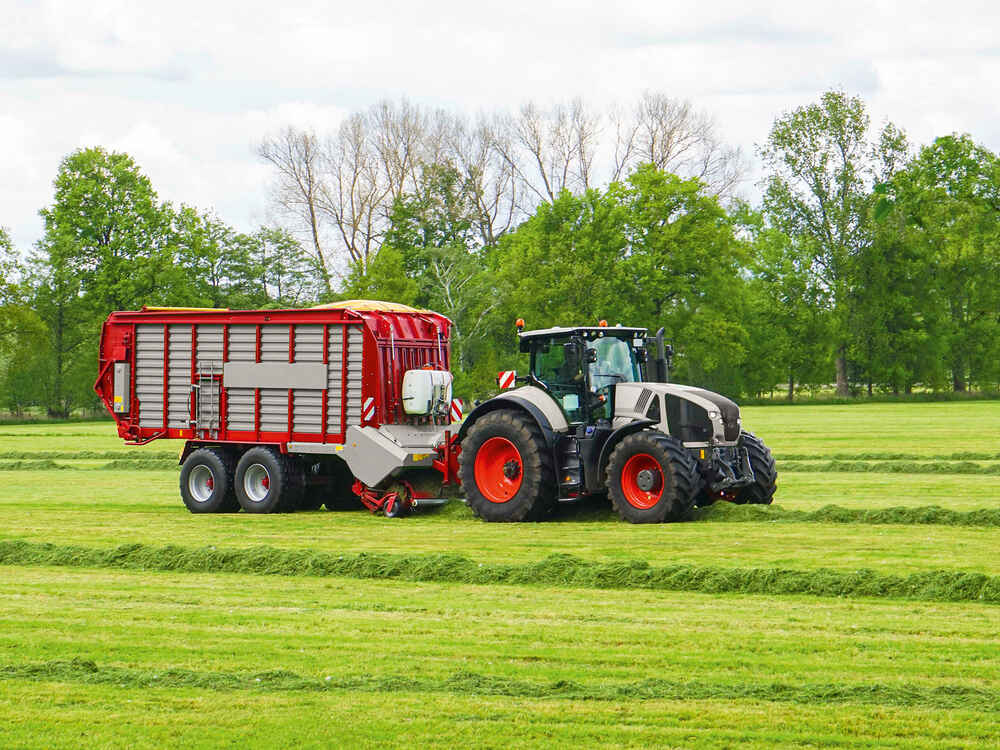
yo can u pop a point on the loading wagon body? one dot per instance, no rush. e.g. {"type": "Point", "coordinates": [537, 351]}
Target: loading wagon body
{"type": "Point", "coordinates": [317, 382]}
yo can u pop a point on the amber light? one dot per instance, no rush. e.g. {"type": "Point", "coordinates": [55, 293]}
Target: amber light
{"type": "Point", "coordinates": [603, 323]}
{"type": "Point", "coordinates": [519, 324]}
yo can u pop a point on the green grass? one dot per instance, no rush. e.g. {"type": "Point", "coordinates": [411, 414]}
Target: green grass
{"type": "Point", "coordinates": [480, 664]}
{"type": "Point", "coordinates": [601, 632]}
{"type": "Point", "coordinates": [918, 429]}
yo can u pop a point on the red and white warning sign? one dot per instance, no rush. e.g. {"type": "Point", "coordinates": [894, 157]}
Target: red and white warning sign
{"type": "Point", "coordinates": [506, 379]}
{"type": "Point", "coordinates": [456, 410]}
{"type": "Point", "coordinates": [368, 409]}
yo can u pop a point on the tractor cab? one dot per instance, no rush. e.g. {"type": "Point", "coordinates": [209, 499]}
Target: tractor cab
{"type": "Point", "coordinates": [580, 367]}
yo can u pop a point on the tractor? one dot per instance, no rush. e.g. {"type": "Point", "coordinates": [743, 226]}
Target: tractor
{"type": "Point", "coordinates": [589, 419]}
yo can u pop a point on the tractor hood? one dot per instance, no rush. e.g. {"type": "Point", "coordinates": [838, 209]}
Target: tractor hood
{"type": "Point", "coordinates": [691, 414]}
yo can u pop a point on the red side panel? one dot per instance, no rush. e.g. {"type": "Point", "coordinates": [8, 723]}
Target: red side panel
{"type": "Point", "coordinates": [192, 402]}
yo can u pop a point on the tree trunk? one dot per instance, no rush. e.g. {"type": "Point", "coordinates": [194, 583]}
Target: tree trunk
{"type": "Point", "coordinates": [842, 388]}
{"type": "Point", "coordinates": [791, 387]}
{"type": "Point", "coordinates": [958, 377]}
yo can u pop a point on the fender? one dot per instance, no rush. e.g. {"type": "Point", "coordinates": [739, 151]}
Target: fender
{"type": "Point", "coordinates": [506, 401]}
{"type": "Point", "coordinates": [616, 437]}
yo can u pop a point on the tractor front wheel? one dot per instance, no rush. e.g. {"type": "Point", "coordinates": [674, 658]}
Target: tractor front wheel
{"type": "Point", "coordinates": [765, 473]}
{"type": "Point", "coordinates": [506, 469]}
{"type": "Point", "coordinates": [651, 478]}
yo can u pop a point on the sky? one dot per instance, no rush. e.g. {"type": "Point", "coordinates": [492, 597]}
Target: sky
{"type": "Point", "coordinates": [188, 88]}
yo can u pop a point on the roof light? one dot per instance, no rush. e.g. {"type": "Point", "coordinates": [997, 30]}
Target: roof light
{"type": "Point", "coordinates": [519, 324]}
{"type": "Point", "coordinates": [602, 323]}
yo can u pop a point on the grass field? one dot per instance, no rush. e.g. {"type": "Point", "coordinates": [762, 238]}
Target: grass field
{"type": "Point", "coordinates": [342, 629]}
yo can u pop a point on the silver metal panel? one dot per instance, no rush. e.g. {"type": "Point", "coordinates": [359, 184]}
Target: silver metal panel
{"type": "Point", "coordinates": [149, 374]}
{"type": "Point", "coordinates": [274, 343]}
{"type": "Point", "coordinates": [274, 409]}
{"type": "Point", "coordinates": [242, 343]}
{"type": "Point", "coordinates": [240, 401]}
{"type": "Point", "coordinates": [307, 406]}
{"type": "Point", "coordinates": [239, 408]}
{"type": "Point", "coordinates": [309, 343]}
{"type": "Point", "coordinates": [120, 397]}
{"type": "Point", "coordinates": [274, 375]}
{"type": "Point", "coordinates": [179, 377]}
{"type": "Point", "coordinates": [370, 455]}
{"type": "Point", "coordinates": [355, 364]}
{"type": "Point", "coordinates": [308, 411]}
{"type": "Point", "coordinates": [209, 345]}
{"type": "Point", "coordinates": [335, 370]}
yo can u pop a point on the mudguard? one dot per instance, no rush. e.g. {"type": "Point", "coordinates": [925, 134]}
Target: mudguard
{"type": "Point", "coordinates": [527, 400]}
{"type": "Point", "coordinates": [616, 437]}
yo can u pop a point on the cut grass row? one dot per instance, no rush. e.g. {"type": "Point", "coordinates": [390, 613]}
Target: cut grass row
{"type": "Point", "coordinates": [108, 508]}
{"type": "Point", "coordinates": [162, 656]}
{"type": "Point", "coordinates": [562, 570]}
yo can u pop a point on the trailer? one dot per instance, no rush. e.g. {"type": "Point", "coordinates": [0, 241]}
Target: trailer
{"type": "Point", "coordinates": [352, 403]}
{"type": "Point", "coordinates": [338, 404]}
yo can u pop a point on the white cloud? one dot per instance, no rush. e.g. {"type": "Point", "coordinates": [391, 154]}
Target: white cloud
{"type": "Point", "coordinates": [188, 87]}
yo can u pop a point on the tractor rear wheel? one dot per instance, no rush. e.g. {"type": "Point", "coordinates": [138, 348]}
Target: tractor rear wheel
{"type": "Point", "coordinates": [266, 481]}
{"type": "Point", "coordinates": [651, 478]}
{"type": "Point", "coordinates": [207, 482]}
{"type": "Point", "coordinates": [506, 468]}
{"type": "Point", "coordinates": [765, 474]}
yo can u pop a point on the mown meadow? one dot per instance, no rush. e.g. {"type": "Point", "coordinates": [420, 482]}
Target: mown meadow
{"type": "Point", "coordinates": [862, 610]}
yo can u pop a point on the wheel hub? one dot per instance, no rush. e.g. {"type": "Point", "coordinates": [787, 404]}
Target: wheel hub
{"type": "Point", "coordinates": [498, 469]}
{"type": "Point", "coordinates": [512, 469]}
{"type": "Point", "coordinates": [645, 480]}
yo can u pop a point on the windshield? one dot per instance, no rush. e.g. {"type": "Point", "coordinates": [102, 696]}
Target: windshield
{"type": "Point", "coordinates": [615, 362]}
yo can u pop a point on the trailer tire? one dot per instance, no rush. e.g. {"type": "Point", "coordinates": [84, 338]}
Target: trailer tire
{"type": "Point", "coordinates": [651, 478]}
{"type": "Point", "coordinates": [765, 473]}
{"type": "Point", "coordinates": [266, 481]}
{"type": "Point", "coordinates": [207, 482]}
{"type": "Point", "coordinates": [506, 468]}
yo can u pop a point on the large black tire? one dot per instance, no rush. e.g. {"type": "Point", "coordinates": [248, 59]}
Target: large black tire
{"type": "Point", "coordinates": [652, 478]}
{"type": "Point", "coordinates": [207, 482]}
{"type": "Point", "coordinates": [765, 481]}
{"type": "Point", "coordinates": [513, 479]}
{"type": "Point", "coordinates": [267, 482]}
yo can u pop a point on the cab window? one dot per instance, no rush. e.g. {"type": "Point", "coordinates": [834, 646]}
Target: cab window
{"type": "Point", "coordinates": [561, 374]}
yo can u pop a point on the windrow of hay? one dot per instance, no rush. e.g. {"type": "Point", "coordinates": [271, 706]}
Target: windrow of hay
{"type": "Point", "coordinates": [472, 683]}
{"type": "Point", "coordinates": [559, 570]}
{"type": "Point", "coordinates": [126, 454]}
{"type": "Point", "coordinates": [118, 464]}
{"type": "Point", "coordinates": [892, 467]}
{"type": "Point", "coordinates": [872, 456]}
{"type": "Point", "coordinates": [927, 514]}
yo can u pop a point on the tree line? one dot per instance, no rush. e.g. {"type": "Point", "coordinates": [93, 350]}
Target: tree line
{"type": "Point", "coordinates": [867, 264]}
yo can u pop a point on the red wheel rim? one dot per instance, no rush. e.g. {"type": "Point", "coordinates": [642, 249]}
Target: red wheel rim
{"type": "Point", "coordinates": [498, 470]}
{"type": "Point", "coordinates": [633, 484]}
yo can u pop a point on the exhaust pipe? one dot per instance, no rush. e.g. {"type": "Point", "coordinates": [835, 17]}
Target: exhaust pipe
{"type": "Point", "coordinates": [664, 353]}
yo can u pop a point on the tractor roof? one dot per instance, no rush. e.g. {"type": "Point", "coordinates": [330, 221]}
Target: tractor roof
{"type": "Point", "coordinates": [585, 331]}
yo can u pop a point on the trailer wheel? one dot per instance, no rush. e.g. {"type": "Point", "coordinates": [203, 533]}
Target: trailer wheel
{"type": "Point", "coordinates": [207, 482]}
{"type": "Point", "coordinates": [651, 478]}
{"type": "Point", "coordinates": [506, 469]}
{"type": "Point", "coordinates": [266, 482]}
{"type": "Point", "coordinates": [765, 473]}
